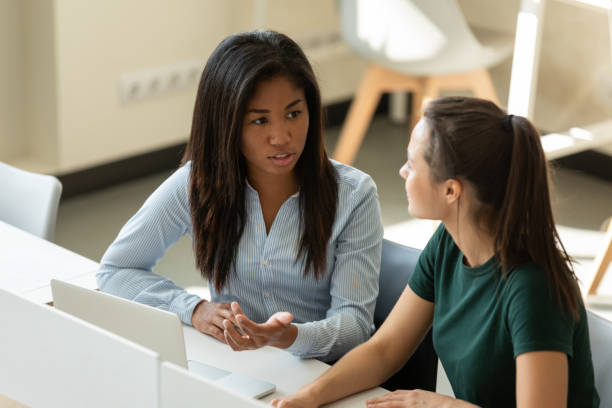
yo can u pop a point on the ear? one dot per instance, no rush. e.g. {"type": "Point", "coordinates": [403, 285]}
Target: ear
{"type": "Point", "coordinates": [452, 190]}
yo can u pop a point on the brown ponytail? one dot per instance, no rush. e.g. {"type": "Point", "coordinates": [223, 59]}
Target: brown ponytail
{"type": "Point", "coordinates": [502, 157]}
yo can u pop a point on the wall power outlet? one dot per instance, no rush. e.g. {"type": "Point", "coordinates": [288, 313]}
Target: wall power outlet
{"type": "Point", "coordinates": [150, 83]}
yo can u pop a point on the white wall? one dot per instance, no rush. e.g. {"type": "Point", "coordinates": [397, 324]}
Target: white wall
{"type": "Point", "coordinates": [101, 40]}
{"type": "Point", "coordinates": [12, 142]}
{"type": "Point", "coordinates": [62, 59]}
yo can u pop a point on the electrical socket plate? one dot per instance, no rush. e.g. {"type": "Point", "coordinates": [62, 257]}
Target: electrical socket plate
{"type": "Point", "coordinates": [146, 84]}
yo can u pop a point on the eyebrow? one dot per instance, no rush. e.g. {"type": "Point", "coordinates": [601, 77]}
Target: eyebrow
{"type": "Point", "coordinates": [268, 111]}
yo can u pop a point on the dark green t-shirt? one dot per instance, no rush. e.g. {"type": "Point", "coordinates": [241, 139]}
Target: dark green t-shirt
{"type": "Point", "coordinates": [482, 322]}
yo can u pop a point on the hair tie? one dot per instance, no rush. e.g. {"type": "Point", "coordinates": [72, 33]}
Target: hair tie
{"type": "Point", "coordinates": [507, 124]}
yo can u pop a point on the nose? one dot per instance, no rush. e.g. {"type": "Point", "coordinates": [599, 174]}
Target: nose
{"type": "Point", "coordinates": [280, 133]}
{"type": "Point", "coordinates": [403, 172]}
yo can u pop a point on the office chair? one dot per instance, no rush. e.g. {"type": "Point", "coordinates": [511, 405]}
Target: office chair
{"type": "Point", "coordinates": [420, 46]}
{"type": "Point", "coordinates": [397, 264]}
{"type": "Point", "coordinates": [600, 335]}
{"type": "Point", "coordinates": [29, 201]}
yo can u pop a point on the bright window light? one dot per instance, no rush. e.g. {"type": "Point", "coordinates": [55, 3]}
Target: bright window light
{"type": "Point", "coordinates": [522, 65]}
{"type": "Point", "coordinates": [555, 141]}
{"type": "Point", "coordinates": [579, 133]}
{"type": "Point", "coordinates": [605, 4]}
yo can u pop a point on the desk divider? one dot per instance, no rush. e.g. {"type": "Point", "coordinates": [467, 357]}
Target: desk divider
{"type": "Point", "coordinates": [52, 359]}
{"type": "Point", "coordinates": [180, 388]}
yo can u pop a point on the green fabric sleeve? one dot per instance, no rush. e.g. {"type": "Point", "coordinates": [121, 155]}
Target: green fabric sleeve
{"type": "Point", "coordinates": [422, 280]}
{"type": "Point", "coordinates": [535, 319]}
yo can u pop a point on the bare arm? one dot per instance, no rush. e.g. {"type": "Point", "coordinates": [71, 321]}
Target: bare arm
{"type": "Point", "coordinates": [371, 363]}
{"type": "Point", "coordinates": [541, 379]}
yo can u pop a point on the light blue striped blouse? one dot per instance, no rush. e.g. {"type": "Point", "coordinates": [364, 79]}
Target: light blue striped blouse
{"type": "Point", "coordinates": [332, 314]}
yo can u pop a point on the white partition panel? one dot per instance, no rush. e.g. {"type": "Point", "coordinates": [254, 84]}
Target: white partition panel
{"type": "Point", "coordinates": [180, 388]}
{"type": "Point", "coordinates": [49, 358]}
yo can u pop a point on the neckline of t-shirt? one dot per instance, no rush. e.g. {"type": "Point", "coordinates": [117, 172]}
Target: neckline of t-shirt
{"type": "Point", "coordinates": [487, 267]}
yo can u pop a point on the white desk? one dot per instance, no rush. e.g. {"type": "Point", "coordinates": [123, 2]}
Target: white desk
{"type": "Point", "coordinates": [28, 263]}
{"type": "Point", "coordinates": [277, 366]}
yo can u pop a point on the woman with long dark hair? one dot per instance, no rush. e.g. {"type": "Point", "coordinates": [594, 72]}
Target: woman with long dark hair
{"type": "Point", "coordinates": [509, 324]}
{"type": "Point", "coordinates": [289, 241]}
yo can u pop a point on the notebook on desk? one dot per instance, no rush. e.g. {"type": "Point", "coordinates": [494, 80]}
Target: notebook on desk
{"type": "Point", "coordinates": [156, 329]}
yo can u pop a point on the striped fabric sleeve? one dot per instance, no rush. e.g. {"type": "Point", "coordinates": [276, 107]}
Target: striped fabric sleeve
{"type": "Point", "coordinates": [126, 267]}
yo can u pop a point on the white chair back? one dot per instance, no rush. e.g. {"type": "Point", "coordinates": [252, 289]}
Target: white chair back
{"type": "Point", "coordinates": [417, 37]}
{"type": "Point", "coordinates": [51, 359]}
{"type": "Point", "coordinates": [600, 334]}
{"type": "Point", "coordinates": [29, 201]}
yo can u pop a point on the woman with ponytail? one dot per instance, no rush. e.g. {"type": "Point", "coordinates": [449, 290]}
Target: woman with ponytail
{"type": "Point", "coordinates": [288, 240]}
{"type": "Point", "coordinates": [509, 324]}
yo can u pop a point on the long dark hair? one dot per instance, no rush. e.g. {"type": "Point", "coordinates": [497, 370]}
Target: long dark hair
{"type": "Point", "coordinates": [218, 169]}
{"type": "Point", "coordinates": [502, 158]}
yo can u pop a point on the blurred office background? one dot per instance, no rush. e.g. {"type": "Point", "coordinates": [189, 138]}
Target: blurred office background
{"type": "Point", "coordinates": [100, 94]}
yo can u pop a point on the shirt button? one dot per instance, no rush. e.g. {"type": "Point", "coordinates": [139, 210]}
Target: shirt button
{"type": "Point", "coordinates": [265, 262]}
{"type": "Point", "coordinates": [267, 294]}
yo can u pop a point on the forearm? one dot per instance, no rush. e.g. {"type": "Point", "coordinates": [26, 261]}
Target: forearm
{"type": "Point", "coordinates": [148, 288]}
{"type": "Point", "coordinates": [362, 368]}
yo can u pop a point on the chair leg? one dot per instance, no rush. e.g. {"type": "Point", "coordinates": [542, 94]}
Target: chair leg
{"type": "Point", "coordinates": [602, 261]}
{"type": "Point", "coordinates": [482, 86]}
{"type": "Point", "coordinates": [416, 106]}
{"type": "Point", "coordinates": [431, 89]}
{"type": "Point", "coordinates": [359, 116]}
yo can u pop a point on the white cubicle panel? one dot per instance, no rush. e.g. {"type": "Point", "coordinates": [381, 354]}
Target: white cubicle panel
{"type": "Point", "coordinates": [49, 358]}
{"type": "Point", "coordinates": [180, 388]}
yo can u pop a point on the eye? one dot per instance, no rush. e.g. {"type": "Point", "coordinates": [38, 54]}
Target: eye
{"type": "Point", "coordinates": [294, 114]}
{"type": "Point", "coordinates": [260, 121]}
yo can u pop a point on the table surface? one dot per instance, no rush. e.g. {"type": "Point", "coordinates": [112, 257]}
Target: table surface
{"type": "Point", "coordinates": [277, 366]}
{"type": "Point", "coordinates": [28, 263]}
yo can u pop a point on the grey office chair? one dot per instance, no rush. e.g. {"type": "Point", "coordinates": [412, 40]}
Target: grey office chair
{"type": "Point", "coordinates": [397, 264]}
{"type": "Point", "coordinates": [29, 201]}
{"type": "Point", "coordinates": [600, 335]}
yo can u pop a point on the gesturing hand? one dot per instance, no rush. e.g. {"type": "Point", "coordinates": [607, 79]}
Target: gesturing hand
{"type": "Point", "coordinates": [208, 318]}
{"type": "Point", "coordinates": [277, 331]}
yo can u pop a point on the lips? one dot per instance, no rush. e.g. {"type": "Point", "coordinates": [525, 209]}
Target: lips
{"type": "Point", "coordinates": [280, 156]}
{"type": "Point", "coordinates": [282, 159]}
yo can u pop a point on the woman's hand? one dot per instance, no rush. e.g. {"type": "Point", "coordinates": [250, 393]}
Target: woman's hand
{"type": "Point", "coordinates": [297, 400]}
{"type": "Point", "coordinates": [208, 318]}
{"type": "Point", "coordinates": [415, 398]}
{"type": "Point", "coordinates": [277, 331]}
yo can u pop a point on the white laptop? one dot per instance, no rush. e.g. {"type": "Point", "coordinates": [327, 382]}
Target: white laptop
{"type": "Point", "coordinates": [156, 329]}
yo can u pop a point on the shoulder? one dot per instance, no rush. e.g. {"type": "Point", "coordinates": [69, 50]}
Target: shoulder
{"type": "Point", "coordinates": [352, 181]}
{"type": "Point", "coordinates": [528, 278]}
{"type": "Point", "coordinates": [173, 193]}
{"type": "Point", "coordinates": [528, 291]}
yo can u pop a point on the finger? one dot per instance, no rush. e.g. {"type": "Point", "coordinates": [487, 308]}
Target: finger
{"type": "Point", "coordinates": [249, 327]}
{"type": "Point", "coordinates": [215, 332]}
{"type": "Point", "coordinates": [218, 321]}
{"type": "Point", "coordinates": [283, 318]}
{"type": "Point", "coordinates": [386, 397]}
{"type": "Point", "coordinates": [236, 308]}
{"type": "Point", "coordinates": [230, 342]}
{"type": "Point", "coordinates": [227, 311]}
{"type": "Point", "coordinates": [385, 404]}
{"type": "Point", "coordinates": [243, 341]}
